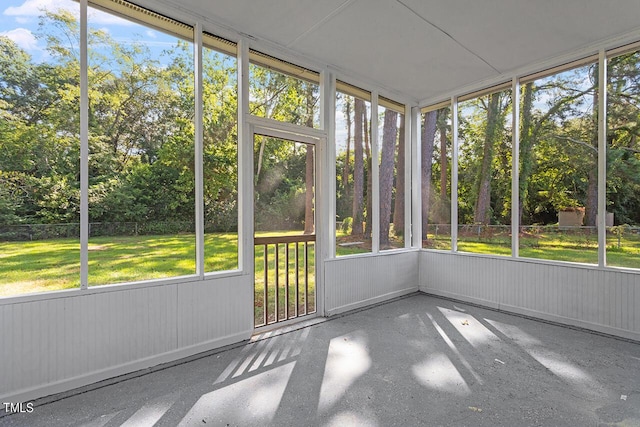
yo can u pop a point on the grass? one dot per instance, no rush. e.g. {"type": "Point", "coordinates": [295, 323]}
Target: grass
{"type": "Point", "coordinates": [551, 246]}
{"type": "Point", "coordinates": [46, 265]}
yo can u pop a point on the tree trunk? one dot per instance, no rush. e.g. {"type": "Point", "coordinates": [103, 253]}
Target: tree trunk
{"type": "Point", "coordinates": [308, 199]}
{"type": "Point", "coordinates": [483, 202]}
{"type": "Point", "coordinates": [358, 170]}
{"type": "Point", "coordinates": [398, 209]}
{"type": "Point", "coordinates": [526, 147]}
{"type": "Point", "coordinates": [369, 192]}
{"type": "Point", "coordinates": [345, 171]}
{"type": "Point", "coordinates": [428, 135]}
{"type": "Point", "coordinates": [591, 204]}
{"type": "Point", "coordinates": [389, 136]}
{"type": "Point", "coordinates": [444, 160]}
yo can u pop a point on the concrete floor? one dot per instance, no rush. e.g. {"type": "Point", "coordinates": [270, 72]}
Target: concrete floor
{"type": "Point", "coordinates": [414, 361]}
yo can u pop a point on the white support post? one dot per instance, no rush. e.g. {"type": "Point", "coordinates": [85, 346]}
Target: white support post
{"type": "Point", "coordinates": [84, 149]}
{"type": "Point", "coordinates": [325, 186]}
{"type": "Point", "coordinates": [416, 179]}
{"type": "Point", "coordinates": [515, 168]}
{"type": "Point", "coordinates": [245, 165]}
{"type": "Point", "coordinates": [374, 216]}
{"type": "Point", "coordinates": [454, 175]}
{"type": "Point", "coordinates": [602, 159]}
{"type": "Point", "coordinates": [328, 170]}
{"type": "Point", "coordinates": [199, 141]}
{"type": "Point", "coordinates": [408, 119]}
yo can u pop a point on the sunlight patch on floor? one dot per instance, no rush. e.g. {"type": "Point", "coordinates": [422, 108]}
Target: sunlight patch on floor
{"type": "Point", "coordinates": [251, 401]}
{"type": "Point", "coordinates": [471, 329]}
{"type": "Point", "coordinates": [438, 373]}
{"type": "Point", "coordinates": [347, 360]}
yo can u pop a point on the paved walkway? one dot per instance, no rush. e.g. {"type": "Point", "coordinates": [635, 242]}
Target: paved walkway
{"type": "Point", "coordinates": [415, 361]}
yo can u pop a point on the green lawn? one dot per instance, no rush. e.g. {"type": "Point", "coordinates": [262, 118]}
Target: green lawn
{"type": "Point", "coordinates": [551, 246]}
{"type": "Point", "coordinates": [46, 265]}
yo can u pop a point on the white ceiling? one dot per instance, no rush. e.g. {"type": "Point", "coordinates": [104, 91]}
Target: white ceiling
{"type": "Point", "coordinates": [422, 49]}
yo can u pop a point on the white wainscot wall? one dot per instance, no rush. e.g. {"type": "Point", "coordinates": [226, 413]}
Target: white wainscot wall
{"type": "Point", "coordinates": [59, 341]}
{"type": "Point", "coordinates": [356, 281]}
{"type": "Point", "coordinates": [603, 300]}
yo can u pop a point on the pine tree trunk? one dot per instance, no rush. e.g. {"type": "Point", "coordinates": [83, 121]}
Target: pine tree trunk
{"type": "Point", "coordinates": [345, 171]}
{"type": "Point", "coordinates": [358, 170]}
{"type": "Point", "coordinates": [428, 135]}
{"type": "Point", "coordinates": [443, 155]}
{"type": "Point", "coordinates": [398, 209]}
{"type": "Point", "coordinates": [389, 137]}
{"type": "Point", "coordinates": [369, 193]}
{"type": "Point", "coordinates": [483, 202]}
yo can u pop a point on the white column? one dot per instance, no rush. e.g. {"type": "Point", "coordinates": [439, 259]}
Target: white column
{"type": "Point", "coordinates": [416, 178]}
{"type": "Point", "coordinates": [374, 216]}
{"type": "Point", "coordinates": [454, 175]}
{"type": "Point", "coordinates": [84, 150]}
{"type": "Point", "coordinates": [602, 159]}
{"type": "Point", "coordinates": [325, 186]}
{"type": "Point", "coordinates": [408, 168]}
{"type": "Point", "coordinates": [245, 165]}
{"type": "Point", "coordinates": [198, 141]}
{"type": "Point", "coordinates": [515, 168]}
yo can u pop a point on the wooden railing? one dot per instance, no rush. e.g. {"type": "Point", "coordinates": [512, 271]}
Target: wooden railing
{"type": "Point", "coordinates": [291, 298]}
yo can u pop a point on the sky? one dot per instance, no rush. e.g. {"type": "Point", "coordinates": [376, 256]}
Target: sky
{"type": "Point", "coordinates": [19, 22]}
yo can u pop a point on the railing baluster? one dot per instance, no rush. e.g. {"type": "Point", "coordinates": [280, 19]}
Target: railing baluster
{"type": "Point", "coordinates": [286, 281]}
{"type": "Point", "coordinates": [277, 288]}
{"type": "Point", "coordinates": [265, 301]}
{"type": "Point", "coordinates": [306, 277]}
{"type": "Point", "coordinates": [266, 243]}
{"type": "Point", "coordinates": [297, 280]}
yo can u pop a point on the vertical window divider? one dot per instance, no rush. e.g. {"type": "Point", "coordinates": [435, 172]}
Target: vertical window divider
{"type": "Point", "coordinates": [454, 174]}
{"type": "Point", "coordinates": [84, 149]}
{"type": "Point", "coordinates": [245, 166]}
{"type": "Point", "coordinates": [374, 216]}
{"type": "Point", "coordinates": [416, 178]}
{"type": "Point", "coordinates": [602, 158]}
{"type": "Point", "coordinates": [198, 141]}
{"type": "Point", "coordinates": [408, 170]}
{"type": "Point", "coordinates": [515, 167]}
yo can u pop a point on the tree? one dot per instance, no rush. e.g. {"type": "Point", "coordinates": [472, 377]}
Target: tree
{"type": "Point", "coordinates": [389, 137]}
{"type": "Point", "coordinates": [398, 210]}
{"type": "Point", "coordinates": [427, 139]}
{"type": "Point", "coordinates": [358, 169]}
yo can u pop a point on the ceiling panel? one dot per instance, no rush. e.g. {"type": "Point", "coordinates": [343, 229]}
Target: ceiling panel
{"type": "Point", "coordinates": [512, 34]}
{"type": "Point", "coordinates": [422, 48]}
{"type": "Point", "coordinates": [395, 48]}
{"type": "Point", "coordinates": [279, 21]}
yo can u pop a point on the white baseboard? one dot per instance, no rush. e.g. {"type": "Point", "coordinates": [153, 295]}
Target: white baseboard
{"type": "Point", "coordinates": [370, 301]}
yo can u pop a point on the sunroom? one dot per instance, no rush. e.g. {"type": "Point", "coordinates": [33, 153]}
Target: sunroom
{"type": "Point", "coordinates": [178, 177]}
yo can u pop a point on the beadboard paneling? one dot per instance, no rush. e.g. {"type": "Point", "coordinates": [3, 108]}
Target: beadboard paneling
{"type": "Point", "coordinates": [357, 281]}
{"type": "Point", "coordinates": [604, 300]}
{"type": "Point", "coordinates": [73, 339]}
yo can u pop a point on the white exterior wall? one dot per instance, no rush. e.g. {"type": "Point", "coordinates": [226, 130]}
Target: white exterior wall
{"type": "Point", "coordinates": [64, 340]}
{"type": "Point", "coordinates": [357, 281]}
{"type": "Point", "coordinates": [603, 300]}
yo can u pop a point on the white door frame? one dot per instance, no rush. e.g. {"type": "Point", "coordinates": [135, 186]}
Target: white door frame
{"type": "Point", "coordinates": [304, 135]}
